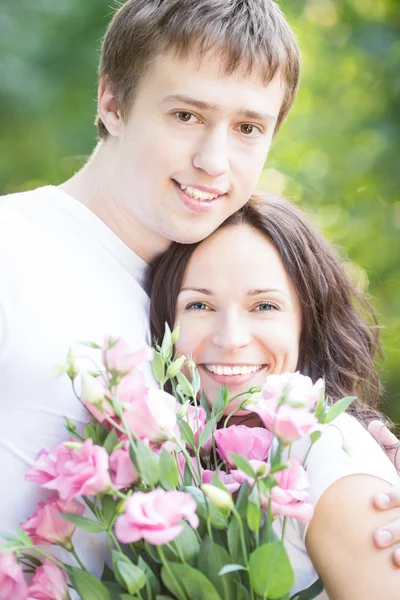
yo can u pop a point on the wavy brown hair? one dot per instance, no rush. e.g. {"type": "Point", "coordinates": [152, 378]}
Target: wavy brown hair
{"type": "Point", "coordinates": [340, 334]}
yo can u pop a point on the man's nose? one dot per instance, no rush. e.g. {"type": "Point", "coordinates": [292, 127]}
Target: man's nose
{"type": "Point", "coordinates": [211, 155]}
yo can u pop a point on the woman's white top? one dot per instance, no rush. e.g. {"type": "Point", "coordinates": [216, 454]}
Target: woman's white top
{"type": "Point", "coordinates": [327, 463]}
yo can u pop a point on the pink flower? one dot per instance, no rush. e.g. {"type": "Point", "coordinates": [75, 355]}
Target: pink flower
{"type": "Point", "coordinates": [292, 419]}
{"type": "Point", "coordinates": [123, 472]}
{"type": "Point", "coordinates": [156, 517]}
{"type": "Point", "coordinates": [257, 465]}
{"type": "Point", "coordinates": [291, 498]}
{"type": "Point", "coordinates": [45, 526]}
{"type": "Point", "coordinates": [48, 583]}
{"type": "Point", "coordinates": [152, 415]}
{"type": "Point", "coordinates": [252, 443]}
{"type": "Point", "coordinates": [196, 419]}
{"type": "Point", "coordinates": [12, 584]}
{"type": "Point", "coordinates": [225, 478]}
{"type": "Point", "coordinates": [120, 358]}
{"type": "Point", "coordinates": [72, 472]}
{"type": "Point", "coordinates": [299, 390]}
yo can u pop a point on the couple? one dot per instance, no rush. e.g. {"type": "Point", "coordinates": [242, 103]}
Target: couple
{"type": "Point", "coordinates": [190, 97]}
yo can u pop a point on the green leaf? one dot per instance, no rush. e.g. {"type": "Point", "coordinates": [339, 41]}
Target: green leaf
{"type": "Point", "coordinates": [109, 508]}
{"type": "Point", "coordinates": [218, 406]}
{"type": "Point", "coordinates": [234, 545]}
{"type": "Point", "coordinates": [128, 575]}
{"type": "Point", "coordinates": [90, 432]}
{"type": "Point", "coordinates": [186, 433]}
{"type": "Point", "coordinates": [311, 592]}
{"type": "Point", "coordinates": [169, 476]}
{"type": "Point", "coordinates": [207, 432]}
{"type": "Point", "coordinates": [186, 582]}
{"type": "Point", "coordinates": [87, 586]}
{"type": "Point", "coordinates": [146, 462]}
{"type": "Point", "coordinates": [242, 499]}
{"type": "Point", "coordinates": [110, 441]}
{"type": "Point", "coordinates": [157, 367]}
{"type": "Point", "coordinates": [253, 516]}
{"type": "Point", "coordinates": [314, 436]}
{"type": "Point", "coordinates": [152, 583]}
{"type": "Point", "coordinates": [204, 404]}
{"type": "Point", "coordinates": [241, 463]}
{"type": "Point", "coordinates": [338, 408]}
{"type": "Point", "coordinates": [184, 384]}
{"type": "Point", "coordinates": [82, 522]}
{"type": "Point", "coordinates": [186, 545]}
{"type": "Point", "coordinates": [196, 383]}
{"type": "Point", "coordinates": [211, 561]}
{"type": "Point", "coordinates": [271, 573]}
{"type": "Point", "coordinates": [90, 345]}
{"type": "Point", "coordinates": [230, 568]}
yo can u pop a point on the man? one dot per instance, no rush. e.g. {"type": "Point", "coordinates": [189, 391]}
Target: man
{"type": "Point", "coordinates": [190, 97]}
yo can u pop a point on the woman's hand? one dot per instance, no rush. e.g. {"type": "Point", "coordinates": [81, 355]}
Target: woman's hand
{"type": "Point", "coordinates": [389, 534]}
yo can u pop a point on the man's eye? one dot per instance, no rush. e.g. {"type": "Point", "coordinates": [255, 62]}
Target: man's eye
{"type": "Point", "coordinates": [250, 130]}
{"type": "Point", "coordinates": [184, 116]}
{"type": "Point", "coordinates": [196, 306]}
{"type": "Point", "coordinates": [266, 306]}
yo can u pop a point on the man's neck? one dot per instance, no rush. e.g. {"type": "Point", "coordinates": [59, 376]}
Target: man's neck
{"type": "Point", "coordinates": [95, 187]}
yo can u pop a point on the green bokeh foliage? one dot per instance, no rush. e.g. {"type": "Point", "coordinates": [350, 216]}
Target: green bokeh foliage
{"type": "Point", "coordinates": [337, 155]}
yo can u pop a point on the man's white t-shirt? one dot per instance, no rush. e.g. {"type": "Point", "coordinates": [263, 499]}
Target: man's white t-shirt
{"type": "Point", "coordinates": [327, 462]}
{"type": "Point", "coordinates": [65, 277]}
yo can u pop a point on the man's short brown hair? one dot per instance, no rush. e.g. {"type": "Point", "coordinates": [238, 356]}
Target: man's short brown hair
{"type": "Point", "coordinates": [249, 33]}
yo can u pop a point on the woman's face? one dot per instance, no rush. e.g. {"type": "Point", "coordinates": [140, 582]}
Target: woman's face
{"type": "Point", "coordinates": [238, 312]}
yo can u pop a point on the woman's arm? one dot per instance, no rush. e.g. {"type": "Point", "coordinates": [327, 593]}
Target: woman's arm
{"type": "Point", "coordinates": [340, 543]}
{"type": "Point", "coordinates": [388, 534]}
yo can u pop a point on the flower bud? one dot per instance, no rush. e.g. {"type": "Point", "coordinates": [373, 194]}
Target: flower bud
{"type": "Point", "coordinates": [72, 369]}
{"type": "Point", "coordinates": [72, 445]}
{"type": "Point", "coordinates": [218, 498]}
{"type": "Point", "coordinates": [175, 334]}
{"type": "Point", "coordinates": [175, 367]}
{"type": "Point", "coordinates": [92, 390]}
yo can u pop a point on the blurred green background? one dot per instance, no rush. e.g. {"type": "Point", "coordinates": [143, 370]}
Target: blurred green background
{"type": "Point", "coordinates": [337, 154]}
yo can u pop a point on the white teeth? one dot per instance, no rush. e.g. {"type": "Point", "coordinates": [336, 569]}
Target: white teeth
{"type": "Point", "coordinates": [198, 194]}
{"type": "Point", "coordinates": [233, 370]}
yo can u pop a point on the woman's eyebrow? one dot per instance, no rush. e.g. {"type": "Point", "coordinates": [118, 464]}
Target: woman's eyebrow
{"type": "Point", "coordinates": [198, 290]}
{"type": "Point", "coordinates": [256, 292]}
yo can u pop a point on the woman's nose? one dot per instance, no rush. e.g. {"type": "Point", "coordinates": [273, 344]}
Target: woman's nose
{"type": "Point", "coordinates": [231, 333]}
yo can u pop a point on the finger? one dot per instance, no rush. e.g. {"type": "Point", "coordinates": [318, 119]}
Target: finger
{"type": "Point", "coordinates": [388, 499]}
{"type": "Point", "coordinates": [388, 535]}
{"type": "Point", "coordinates": [396, 557]}
{"type": "Point", "coordinates": [386, 439]}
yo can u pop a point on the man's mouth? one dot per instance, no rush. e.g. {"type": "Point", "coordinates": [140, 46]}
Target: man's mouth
{"type": "Point", "coordinates": [201, 194]}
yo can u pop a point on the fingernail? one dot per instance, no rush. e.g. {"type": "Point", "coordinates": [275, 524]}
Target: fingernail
{"type": "Point", "coordinates": [383, 500]}
{"type": "Point", "coordinates": [384, 537]}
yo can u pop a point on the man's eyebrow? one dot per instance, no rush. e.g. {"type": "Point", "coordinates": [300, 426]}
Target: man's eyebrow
{"type": "Point", "coordinates": [202, 105]}
{"type": "Point", "coordinates": [198, 290]}
{"type": "Point", "coordinates": [257, 292]}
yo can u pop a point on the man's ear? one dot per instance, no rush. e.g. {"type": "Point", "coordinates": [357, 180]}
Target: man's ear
{"type": "Point", "coordinates": [107, 108]}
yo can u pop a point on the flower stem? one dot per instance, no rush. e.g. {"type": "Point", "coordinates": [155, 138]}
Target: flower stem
{"type": "Point", "coordinates": [170, 573]}
{"type": "Point", "coordinates": [78, 560]}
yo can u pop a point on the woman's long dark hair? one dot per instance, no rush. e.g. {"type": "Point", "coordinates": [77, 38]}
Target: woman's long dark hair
{"type": "Point", "coordinates": [340, 334]}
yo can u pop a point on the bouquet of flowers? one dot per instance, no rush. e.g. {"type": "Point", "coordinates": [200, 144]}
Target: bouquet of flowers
{"type": "Point", "coordinates": [185, 499]}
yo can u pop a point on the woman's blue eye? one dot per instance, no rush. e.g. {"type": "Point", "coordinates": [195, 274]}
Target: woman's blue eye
{"type": "Point", "coordinates": [266, 306]}
{"type": "Point", "coordinates": [196, 306]}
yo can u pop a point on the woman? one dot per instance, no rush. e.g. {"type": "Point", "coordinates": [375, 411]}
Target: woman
{"type": "Point", "coordinates": [266, 294]}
